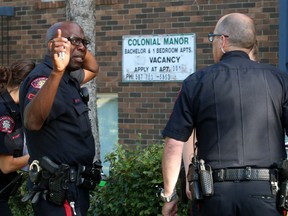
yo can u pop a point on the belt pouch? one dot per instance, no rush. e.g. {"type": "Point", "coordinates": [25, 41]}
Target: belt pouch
{"type": "Point", "coordinates": [57, 186]}
{"type": "Point", "coordinates": [194, 184]}
{"type": "Point", "coordinates": [206, 182]}
{"type": "Point", "coordinates": [206, 179]}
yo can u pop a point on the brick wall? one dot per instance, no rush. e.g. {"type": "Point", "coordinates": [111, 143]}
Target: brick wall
{"type": "Point", "coordinates": [28, 27]}
{"type": "Point", "coordinates": [143, 107]}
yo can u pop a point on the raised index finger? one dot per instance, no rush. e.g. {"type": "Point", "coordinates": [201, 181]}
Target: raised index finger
{"type": "Point", "coordinates": [59, 36]}
{"type": "Point", "coordinates": [59, 33]}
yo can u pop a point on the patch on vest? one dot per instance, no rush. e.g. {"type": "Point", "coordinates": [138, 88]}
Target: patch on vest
{"type": "Point", "coordinates": [31, 96]}
{"type": "Point", "coordinates": [6, 124]}
{"type": "Point", "coordinates": [38, 82]}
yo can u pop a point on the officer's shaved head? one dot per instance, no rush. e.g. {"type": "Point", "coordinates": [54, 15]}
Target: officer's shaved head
{"type": "Point", "coordinates": [52, 31]}
{"type": "Point", "coordinates": [240, 29]}
{"type": "Point", "coordinates": [67, 27]}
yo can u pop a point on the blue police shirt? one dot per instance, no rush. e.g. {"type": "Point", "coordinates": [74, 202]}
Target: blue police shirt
{"type": "Point", "coordinates": [239, 109]}
{"type": "Point", "coordinates": [8, 122]}
{"type": "Point", "coordinates": [66, 135]}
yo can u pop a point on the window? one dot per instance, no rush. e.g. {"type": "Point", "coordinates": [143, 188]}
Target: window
{"type": "Point", "coordinates": [6, 13]}
{"type": "Point", "coordinates": [107, 112]}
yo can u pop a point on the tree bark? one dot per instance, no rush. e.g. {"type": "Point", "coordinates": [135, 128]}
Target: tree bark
{"type": "Point", "coordinates": [83, 12]}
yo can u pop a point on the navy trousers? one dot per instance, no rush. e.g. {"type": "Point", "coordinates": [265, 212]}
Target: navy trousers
{"type": "Point", "coordinates": [245, 198]}
{"type": "Point", "coordinates": [78, 195]}
{"type": "Point", "coordinates": [4, 207]}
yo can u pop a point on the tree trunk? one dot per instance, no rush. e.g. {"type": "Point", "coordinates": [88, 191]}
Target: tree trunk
{"type": "Point", "coordinates": [83, 12]}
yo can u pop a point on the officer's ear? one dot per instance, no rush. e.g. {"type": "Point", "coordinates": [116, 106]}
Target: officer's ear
{"type": "Point", "coordinates": [222, 43]}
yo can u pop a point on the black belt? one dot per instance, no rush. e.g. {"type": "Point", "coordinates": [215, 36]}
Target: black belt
{"type": "Point", "coordinates": [244, 174]}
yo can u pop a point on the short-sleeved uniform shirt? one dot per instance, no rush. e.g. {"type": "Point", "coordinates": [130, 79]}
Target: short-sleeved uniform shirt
{"type": "Point", "coordinates": [8, 124]}
{"type": "Point", "coordinates": [66, 135]}
{"type": "Point", "coordinates": [10, 120]}
{"type": "Point", "coordinates": [239, 109]}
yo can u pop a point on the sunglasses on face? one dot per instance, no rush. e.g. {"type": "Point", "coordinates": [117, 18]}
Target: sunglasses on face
{"type": "Point", "coordinates": [76, 41]}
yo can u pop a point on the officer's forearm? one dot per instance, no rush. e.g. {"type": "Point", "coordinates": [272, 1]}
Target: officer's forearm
{"type": "Point", "coordinates": [37, 111]}
{"type": "Point", "coordinates": [90, 63]}
{"type": "Point", "coordinates": [171, 162]}
{"type": "Point", "coordinates": [10, 164]}
{"type": "Point", "coordinates": [91, 67]}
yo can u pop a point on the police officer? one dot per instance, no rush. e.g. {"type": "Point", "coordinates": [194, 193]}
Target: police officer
{"type": "Point", "coordinates": [239, 110]}
{"type": "Point", "coordinates": [56, 121]}
{"type": "Point", "coordinates": [12, 142]}
{"type": "Point", "coordinates": [189, 146]}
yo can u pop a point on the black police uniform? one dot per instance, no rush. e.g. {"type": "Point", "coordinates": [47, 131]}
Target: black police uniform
{"type": "Point", "coordinates": [10, 125]}
{"type": "Point", "coordinates": [239, 109]}
{"type": "Point", "coordinates": [65, 137]}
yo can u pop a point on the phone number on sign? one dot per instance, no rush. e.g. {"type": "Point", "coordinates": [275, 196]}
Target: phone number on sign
{"type": "Point", "coordinates": [150, 77]}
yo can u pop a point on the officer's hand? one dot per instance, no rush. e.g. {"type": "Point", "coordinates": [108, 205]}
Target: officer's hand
{"type": "Point", "coordinates": [170, 208]}
{"type": "Point", "coordinates": [60, 48]}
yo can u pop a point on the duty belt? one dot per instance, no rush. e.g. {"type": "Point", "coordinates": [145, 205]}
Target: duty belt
{"type": "Point", "coordinates": [52, 180]}
{"type": "Point", "coordinates": [244, 174]}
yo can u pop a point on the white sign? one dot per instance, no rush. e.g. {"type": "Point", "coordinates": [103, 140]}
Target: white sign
{"type": "Point", "coordinates": [158, 58]}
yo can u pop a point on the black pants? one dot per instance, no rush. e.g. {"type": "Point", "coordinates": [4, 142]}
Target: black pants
{"type": "Point", "coordinates": [79, 196]}
{"type": "Point", "coordinates": [4, 207]}
{"type": "Point", "coordinates": [245, 198]}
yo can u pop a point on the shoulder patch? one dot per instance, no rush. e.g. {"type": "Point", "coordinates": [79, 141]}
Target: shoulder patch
{"type": "Point", "coordinates": [6, 124]}
{"type": "Point", "coordinates": [38, 82]}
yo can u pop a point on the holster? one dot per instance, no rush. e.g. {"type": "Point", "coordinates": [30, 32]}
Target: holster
{"type": "Point", "coordinates": [52, 180]}
{"type": "Point", "coordinates": [49, 180]}
{"type": "Point", "coordinates": [200, 179]}
{"type": "Point", "coordinates": [194, 184]}
{"type": "Point", "coordinates": [89, 176]}
{"type": "Point", "coordinates": [282, 194]}
{"type": "Point", "coordinates": [58, 185]}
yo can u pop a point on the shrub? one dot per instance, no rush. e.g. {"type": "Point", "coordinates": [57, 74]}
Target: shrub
{"type": "Point", "coordinates": [133, 185]}
{"type": "Point", "coordinates": [17, 206]}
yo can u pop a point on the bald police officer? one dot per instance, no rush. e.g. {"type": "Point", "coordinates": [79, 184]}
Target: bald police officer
{"type": "Point", "coordinates": [239, 109]}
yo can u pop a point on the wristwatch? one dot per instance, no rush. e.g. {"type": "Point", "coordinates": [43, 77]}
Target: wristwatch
{"type": "Point", "coordinates": [170, 198]}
